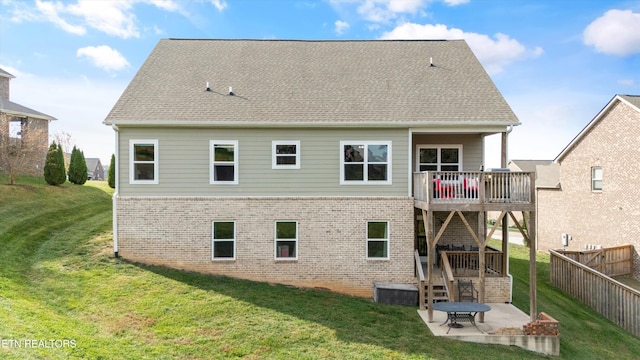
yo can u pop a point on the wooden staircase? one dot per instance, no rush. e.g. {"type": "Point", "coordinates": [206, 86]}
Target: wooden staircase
{"type": "Point", "coordinates": [440, 294]}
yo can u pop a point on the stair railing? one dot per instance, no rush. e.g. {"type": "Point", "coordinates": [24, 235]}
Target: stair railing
{"type": "Point", "coordinates": [421, 280]}
{"type": "Point", "coordinates": [447, 275]}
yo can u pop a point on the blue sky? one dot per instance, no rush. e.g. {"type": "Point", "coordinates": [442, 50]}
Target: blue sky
{"type": "Point", "coordinates": [557, 63]}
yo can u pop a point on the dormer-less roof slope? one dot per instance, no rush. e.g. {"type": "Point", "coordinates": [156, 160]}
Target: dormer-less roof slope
{"type": "Point", "coordinates": [325, 83]}
{"type": "Point", "coordinates": [6, 74]}
{"type": "Point", "coordinates": [17, 110]}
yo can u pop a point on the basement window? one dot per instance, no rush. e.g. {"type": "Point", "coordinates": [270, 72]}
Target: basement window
{"type": "Point", "coordinates": [378, 240]}
{"type": "Point", "coordinates": [286, 240]}
{"type": "Point", "coordinates": [224, 240]}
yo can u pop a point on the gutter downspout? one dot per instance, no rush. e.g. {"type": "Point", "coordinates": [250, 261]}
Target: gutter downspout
{"type": "Point", "coordinates": [115, 194]}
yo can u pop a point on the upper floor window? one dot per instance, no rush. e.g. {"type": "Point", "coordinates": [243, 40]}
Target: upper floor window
{"type": "Point", "coordinates": [143, 155]}
{"type": "Point", "coordinates": [285, 154]}
{"type": "Point", "coordinates": [365, 162]}
{"type": "Point", "coordinates": [439, 158]}
{"type": "Point", "coordinates": [224, 162]}
{"type": "Point", "coordinates": [286, 240]}
{"type": "Point", "coordinates": [596, 178]}
{"type": "Point", "coordinates": [223, 241]}
{"type": "Point", "coordinates": [377, 240]}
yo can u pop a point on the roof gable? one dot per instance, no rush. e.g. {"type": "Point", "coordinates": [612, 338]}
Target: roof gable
{"type": "Point", "coordinates": [373, 83]}
{"type": "Point", "coordinates": [631, 100]}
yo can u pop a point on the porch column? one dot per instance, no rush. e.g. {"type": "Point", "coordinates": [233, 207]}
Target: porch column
{"type": "Point", "coordinates": [427, 217]}
{"type": "Point", "coordinates": [482, 232]}
{"type": "Point", "coordinates": [533, 242]}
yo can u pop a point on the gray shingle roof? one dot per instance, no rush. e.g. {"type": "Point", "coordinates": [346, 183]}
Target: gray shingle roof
{"type": "Point", "coordinates": [372, 83]}
{"type": "Point", "coordinates": [529, 165]}
{"type": "Point", "coordinates": [633, 99]}
{"type": "Point", "coordinates": [6, 74]}
{"type": "Point", "coordinates": [11, 108]}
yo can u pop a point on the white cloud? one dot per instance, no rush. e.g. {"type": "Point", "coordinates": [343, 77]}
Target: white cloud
{"type": "Point", "coordinates": [219, 4]}
{"type": "Point", "coordinates": [50, 12]}
{"type": "Point", "coordinates": [456, 2]}
{"type": "Point", "coordinates": [381, 11]}
{"type": "Point", "coordinates": [494, 53]}
{"type": "Point", "coordinates": [626, 82]}
{"type": "Point", "coordinates": [104, 57]}
{"type": "Point", "coordinates": [341, 26]}
{"type": "Point", "coordinates": [113, 17]}
{"type": "Point", "coordinates": [617, 32]}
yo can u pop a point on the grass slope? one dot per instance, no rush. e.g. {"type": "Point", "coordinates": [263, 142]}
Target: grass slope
{"type": "Point", "coordinates": [59, 281]}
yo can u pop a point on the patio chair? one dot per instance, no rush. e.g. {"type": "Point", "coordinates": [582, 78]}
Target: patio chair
{"type": "Point", "coordinates": [466, 291]}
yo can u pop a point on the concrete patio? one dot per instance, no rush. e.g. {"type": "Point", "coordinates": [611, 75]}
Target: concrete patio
{"type": "Point", "coordinates": [502, 325]}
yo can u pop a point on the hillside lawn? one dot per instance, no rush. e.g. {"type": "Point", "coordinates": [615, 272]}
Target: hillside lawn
{"type": "Point", "coordinates": [59, 281]}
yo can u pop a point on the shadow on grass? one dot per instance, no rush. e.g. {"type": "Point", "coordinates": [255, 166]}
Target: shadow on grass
{"type": "Point", "coordinates": [354, 319]}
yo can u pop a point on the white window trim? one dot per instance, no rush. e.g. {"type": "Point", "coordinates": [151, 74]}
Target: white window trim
{"type": "Point", "coordinates": [593, 179]}
{"type": "Point", "coordinates": [275, 241]}
{"type": "Point", "coordinates": [214, 240]}
{"type": "Point", "coordinates": [387, 240]}
{"type": "Point", "coordinates": [132, 162]}
{"type": "Point", "coordinates": [274, 156]}
{"type": "Point", "coordinates": [439, 160]}
{"type": "Point", "coordinates": [236, 153]}
{"type": "Point", "coordinates": [366, 181]}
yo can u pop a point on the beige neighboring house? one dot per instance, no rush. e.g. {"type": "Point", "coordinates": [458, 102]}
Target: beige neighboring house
{"type": "Point", "coordinates": [23, 126]}
{"type": "Point", "coordinates": [595, 196]}
{"type": "Point", "coordinates": [312, 163]}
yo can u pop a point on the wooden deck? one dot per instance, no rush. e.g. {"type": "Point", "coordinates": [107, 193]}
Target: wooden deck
{"type": "Point", "coordinates": [474, 191]}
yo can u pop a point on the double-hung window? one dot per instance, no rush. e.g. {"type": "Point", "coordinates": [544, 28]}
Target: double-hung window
{"type": "Point", "coordinates": [223, 245]}
{"type": "Point", "coordinates": [285, 154]}
{"type": "Point", "coordinates": [378, 240]}
{"type": "Point", "coordinates": [143, 155]}
{"type": "Point", "coordinates": [439, 158]}
{"type": "Point", "coordinates": [365, 162]}
{"type": "Point", "coordinates": [596, 178]}
{"type": "Point", "coordinates": [286, 240]}
{"type": "Point", "coordinates": [224, 162]}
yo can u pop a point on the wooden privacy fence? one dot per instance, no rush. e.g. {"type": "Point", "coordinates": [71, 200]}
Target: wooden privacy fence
{"type": "Point", "coordinates": [612, 299]}
{"type": "Point", "coordinates": [613, 261]}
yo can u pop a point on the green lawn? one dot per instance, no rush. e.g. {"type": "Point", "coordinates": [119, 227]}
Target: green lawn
{"type": "Point", "coordinates": [59, 281]}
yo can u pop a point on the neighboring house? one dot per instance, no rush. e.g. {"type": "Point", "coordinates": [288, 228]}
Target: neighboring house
{"type": "Point", "coordinates": [527, 165]}
{"type": "Point", "coordinates": [311, 163]}
{"type": "Point", "coordinates": [25, 127]}
{"type": "Point", "coordinates": [95, 171]}
{"type": "Point", "coordinates": [595, 198]}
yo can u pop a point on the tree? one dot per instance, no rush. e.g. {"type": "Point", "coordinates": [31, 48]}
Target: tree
{"type": "Point", "coordinates": [77, 167]}
{"type": "Point", "coordinates": [111, 177]}
{"type": "Point", "coordinates": [54, 173]}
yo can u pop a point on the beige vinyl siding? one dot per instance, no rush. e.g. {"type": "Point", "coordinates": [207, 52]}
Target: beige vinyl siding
{"type": "Point", "coordinates": [183, 160]}
{"type": "Point", "coordinates": [472, 145]}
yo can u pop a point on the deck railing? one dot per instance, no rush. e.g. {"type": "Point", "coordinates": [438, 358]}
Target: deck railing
{"type": "Point", "coordinates": [466, 263]}
{"type": "Point", "coordinates": [475, 187]}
